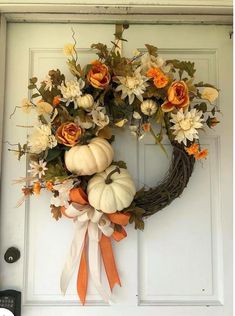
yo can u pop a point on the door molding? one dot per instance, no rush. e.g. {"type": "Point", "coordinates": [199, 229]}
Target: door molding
{"type": "Point", "coordinates": [107, 11]}
{"type": "Point", "coordinates": [3, 30]}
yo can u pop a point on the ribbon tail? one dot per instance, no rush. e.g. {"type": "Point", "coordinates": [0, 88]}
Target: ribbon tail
{"type": "Point", "coordinates": [74, 255]}
{"type": "Point", "coordinates": [109, 261]}
{"type": "Point", "coordinates": [94, 260]}
{"type": "Point", "coordinates": [82, 278]}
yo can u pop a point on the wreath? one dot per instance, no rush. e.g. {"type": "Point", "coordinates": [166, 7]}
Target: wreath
{"type": "Point", "coordinates": [70, 147]}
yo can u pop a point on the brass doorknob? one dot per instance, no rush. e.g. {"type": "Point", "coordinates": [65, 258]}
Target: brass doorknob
{"type": "Point", "coordinates": [12, 255]}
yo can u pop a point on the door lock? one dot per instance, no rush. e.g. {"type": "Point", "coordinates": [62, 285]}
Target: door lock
{"type": "Point", "coordinates": [12, 255]}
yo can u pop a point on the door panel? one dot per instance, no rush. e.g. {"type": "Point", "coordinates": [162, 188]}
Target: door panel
{"type": "Point", "coordinates": [183, 258]}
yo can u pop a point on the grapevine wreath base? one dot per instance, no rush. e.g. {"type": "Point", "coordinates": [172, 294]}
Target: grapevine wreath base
{"type": "Point", "coordinates": [71, 155]}
{"type": "Point", "coordinates": [171, 187]}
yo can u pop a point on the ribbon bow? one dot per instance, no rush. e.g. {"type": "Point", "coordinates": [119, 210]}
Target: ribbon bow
{"type": "Point", "coordinates": [97, 227]}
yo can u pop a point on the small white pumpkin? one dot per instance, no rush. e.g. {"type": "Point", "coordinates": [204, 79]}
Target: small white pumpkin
{"type": "Point", "coordinates": [89, 159]}
{"type": "Point", "coordinates": [85, 101]}
{"type": "Point", "coordinates": [148, 107]}
{"type": "Point", "coordinates": [112, 190]}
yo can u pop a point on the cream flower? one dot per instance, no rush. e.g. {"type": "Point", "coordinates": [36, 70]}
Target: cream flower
{"type": "Point", "coordinates": [99, 117]}
{"type": "Point", "coordinates": [41, 139]}
{"type": "Point", "coordinates": [85, 122]}
{"type": "Point", "coordinates": [210, 94]}
{"type": "Point", "coordinates": [48, 83]}
{"type": "Point", "coordinates": [63, 197]}
{"type": "Point", "coordinates": [26, 105]}
{"type": "Point", "coordinates": [69, 49]}
{"type": "Point", "coordinates": [43, 108]}
{"type": "Point", "coordinates": [38, 168]}
{"type": "Point", "coordinates": [132, 86]}
{"type": "Point", "coordinates": [186, 125]}
{"type": "Point", "coordinates": [149, 61]}
{"type": "Point", "coordinates": [71, 90]}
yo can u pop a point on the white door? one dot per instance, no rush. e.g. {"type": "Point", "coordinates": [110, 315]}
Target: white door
{"type": "Point", "coordinates": [182, 263]}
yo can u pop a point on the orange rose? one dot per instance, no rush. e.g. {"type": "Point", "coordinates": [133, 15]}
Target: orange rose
{"type": "Point", "coordinates": [160, 80]}
{"type": "Point", "coordinates": [177, 97]}
{"type": "Point", "coordinates": [68, 134]}
{"type": "Point", "coordinates": [99, 75]}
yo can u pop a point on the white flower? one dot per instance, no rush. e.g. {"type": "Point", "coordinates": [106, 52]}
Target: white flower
{"type": "Point", "coordinates": [148, 107]}
{"type": "Point", "coordinates": [186, 125]}
{"type": "Point", "coordinates": [26, 105]}
{"type": "Point", "coordinates": [71, 90]}
{"type": "Point", "coordinates": [38, 168]}
{"type": "Point", "coordinates": [149, 61]}
{"type": "Point", "coordinates": [99, 116]}
{"type": "Point", "coordinates": [41, 139]}
{"type": "Point", "coordinates": [48, 83]}
{"type": "Point", "coordinates": [85, 123]}
{"type": "Point", "coordinates": [210, 94]}
{"type": "Point", "coordinates": [132, 86]}
{"type": "Point", "coordinates": [136, 115]}
{"type": "Point", "coordinates": [63, 193]}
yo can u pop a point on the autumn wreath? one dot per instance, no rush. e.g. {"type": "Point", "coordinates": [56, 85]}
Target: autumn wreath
{"type": "Point", "coordinates": [70, 149]}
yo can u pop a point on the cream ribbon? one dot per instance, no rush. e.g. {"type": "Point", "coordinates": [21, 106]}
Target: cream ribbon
{"type": "Point", "coordinates": [87, 220]}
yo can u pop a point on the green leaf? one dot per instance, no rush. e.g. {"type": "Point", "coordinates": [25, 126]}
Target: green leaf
{"type": "Point", "coordinates": [201, 107]}
{"type": "Point", "coordinates": [53, 154]}
{"type": "Point", "coordinates": [33, 80]}
{"type": "Point", "coordinates": [74, 68]}
{"type": "Point", "coordinates": [152, 50]}
{"type": "Point", "coordinates": [35, 95]}
{"type": "Point", "coordinates": [85, 70]}
{"type": "Point", "coordinates": [102, 50]}
{"type": "Point", "coordinates": [120, 164]}
{"type": "Point", "coordinates": [186, 66]}
{"type": "Point", "coordinates": [32, 86]}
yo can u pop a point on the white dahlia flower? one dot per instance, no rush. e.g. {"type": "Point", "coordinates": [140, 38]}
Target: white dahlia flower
{"type": "Point", "coordinates": [132, 86]}
{"type": "Point", "coordinates": [41, 139]}
{"type": "Point", "coordinates": [71, 90]}
{"type": "Point", "coordinates": [186, 125]}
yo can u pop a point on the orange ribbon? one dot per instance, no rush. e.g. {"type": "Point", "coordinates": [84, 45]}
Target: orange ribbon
{"type": "Point", "coordinates": [77, 195]}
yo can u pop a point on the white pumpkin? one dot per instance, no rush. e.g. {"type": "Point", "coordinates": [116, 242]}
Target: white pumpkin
{"type": "Point", "coordinates": [89, 159]}
{"type": "Point", "coordinates": [112, 190]}
{"type": "Point", "coordinates": [148, 107]}
{"type": "Point", "coordinates": [85, 101]}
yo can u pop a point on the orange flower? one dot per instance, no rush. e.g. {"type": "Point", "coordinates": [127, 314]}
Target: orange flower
{"type": "Point", "coordinates": [68, 134]}
{"type": "Point", "coordinates": [56, 100]}
{"type": "Point", "coordinates": [159, 79]}
{"type": "Point", "coordinates": [177, 97]}
{"type": "Point", "coordinates": [49, 185]}
{"type": "Point", "coordinates": [146, 127]}
{"type": "Point", "coordinates": [36, 188]}
{"type": "Point", "coordinates": [193, 149]}
{"type": "Point", "coordinates": [99, 75]}
{"type": "Point", "coordinates": [201, 154]}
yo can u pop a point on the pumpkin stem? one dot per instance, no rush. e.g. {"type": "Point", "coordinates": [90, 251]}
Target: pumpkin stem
{"type": "Point", "coordinates": [108, 180]}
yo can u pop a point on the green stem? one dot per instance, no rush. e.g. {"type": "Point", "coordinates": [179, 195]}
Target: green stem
{"type": "Point", "coordinates": [108, 180]}
{"type": "Point", "coordinates": [158, 142]}
{"type": "Point", "coordinates": [168, 129]}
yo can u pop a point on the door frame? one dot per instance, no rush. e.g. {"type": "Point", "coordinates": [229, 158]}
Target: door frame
{"type": "Point", "coordinates": [224, 17]}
